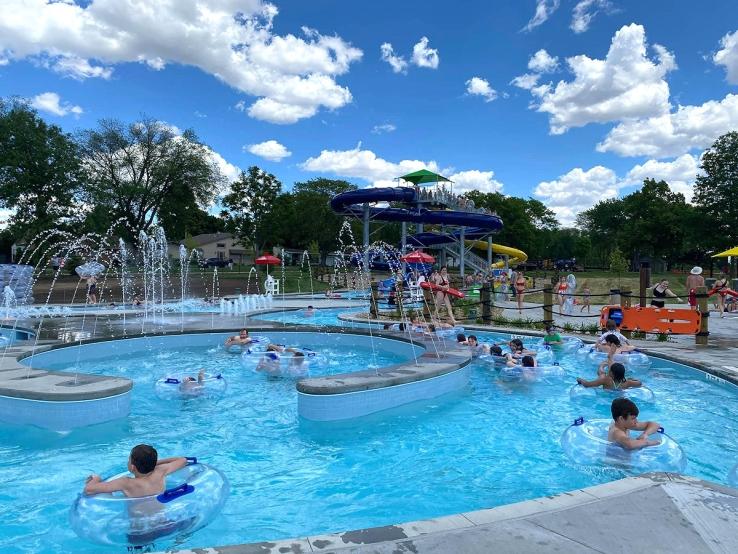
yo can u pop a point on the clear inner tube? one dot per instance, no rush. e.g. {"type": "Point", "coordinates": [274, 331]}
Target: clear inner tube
{"type": "Point", "coordinates": [637, 394]}
{"type": "Point", "coordinates": [585, 442]}
{"type": "Point", "coordinates": [193, 497]}
{"type": "Point", "coordinates": [258, 343]}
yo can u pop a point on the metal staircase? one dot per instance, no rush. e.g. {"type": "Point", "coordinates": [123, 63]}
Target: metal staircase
{"type": "Point", "coordinates": [471, 260]}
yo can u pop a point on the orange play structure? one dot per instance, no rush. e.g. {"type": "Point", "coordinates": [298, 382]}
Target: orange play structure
{"type": "Point", "coordinates": [677, 321]}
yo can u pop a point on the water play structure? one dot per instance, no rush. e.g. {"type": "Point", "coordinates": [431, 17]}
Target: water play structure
{"type": "Point", "coordinates": [469, 226]}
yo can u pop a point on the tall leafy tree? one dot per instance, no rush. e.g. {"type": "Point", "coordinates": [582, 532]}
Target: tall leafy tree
{"type": "Point", "coordinates": [312, 217]}
{"type": "Point", "coordinates": [525, 220]}
{"type": "Point", "coordinates": [40, 171]}
{"type": "Point", "coordinates": [716, 192]}
{"type": "Point", "coordinates": [249, 205]}
{"type": "Point", "coordinates": [137, 168]}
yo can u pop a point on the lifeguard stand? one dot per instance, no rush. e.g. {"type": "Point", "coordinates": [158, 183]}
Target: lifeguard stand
{"type": "Point", "coordinates": [271, 285]}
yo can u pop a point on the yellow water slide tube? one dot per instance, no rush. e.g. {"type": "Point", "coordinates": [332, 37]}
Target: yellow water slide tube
{"type": "Point", "coordinates": [515, 256]}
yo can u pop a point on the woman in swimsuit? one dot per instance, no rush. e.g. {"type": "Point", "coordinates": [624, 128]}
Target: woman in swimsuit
{"type": "Point", "coordinates": [660, 292]}
{"type": "Point", "coordinates": [561, 289]}
{"type": "Point", "coordinates": [720, 286]}
{"type": "Point", "coordinates": [442, 298]}
{"type": "Point", "coordinates": [520, 284]}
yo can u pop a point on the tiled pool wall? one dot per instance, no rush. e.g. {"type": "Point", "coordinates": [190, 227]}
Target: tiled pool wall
{"type": "Point", "coordinates": [15, 334]}
{"type": "Point", "coordinates": [66, 415]}
{"type": "Point", "coordinates": [335, 407]}
{"type": "Point", "coordinates": [61, 415]}
{"type": "Point", "coordinates": [103, 349]}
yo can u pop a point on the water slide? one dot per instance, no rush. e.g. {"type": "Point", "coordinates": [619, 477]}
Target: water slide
{"type": "Point", "coordinates": [476, 225]}
{"type": "Point", "coordinates": [515, 256]}
{"type": "Point", "coordinates": [349, 203]}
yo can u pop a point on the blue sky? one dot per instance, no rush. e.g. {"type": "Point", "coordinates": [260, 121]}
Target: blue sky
{"type": "Point", "coordinates": [607, 92]}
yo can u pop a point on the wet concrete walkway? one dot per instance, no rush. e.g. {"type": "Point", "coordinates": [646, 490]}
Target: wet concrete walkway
{"type": "Point", "coordinates": [654, 513]}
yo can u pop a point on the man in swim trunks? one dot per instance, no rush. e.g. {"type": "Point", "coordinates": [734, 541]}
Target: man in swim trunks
{"type": "Point", "coordinates": [241, 339]}
{"type": "Point", "coordinates": [694, 280]}
{"type": "Point", "coordinates": [149, 474]}
{"type": "Point", "coordinates": [625, 418]}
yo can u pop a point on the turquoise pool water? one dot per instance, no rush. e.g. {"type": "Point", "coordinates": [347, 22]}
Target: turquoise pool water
{"type": "Point", "coordinates": [322, 317]}
{"type": "Point", "coordinates": [494, 443]}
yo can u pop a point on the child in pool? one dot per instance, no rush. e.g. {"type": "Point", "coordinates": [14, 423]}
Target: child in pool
{"type": "Point", "coordinates": [149, 474]}
{"type": "Point", "coordinates": [613, 379]}
{"type": "Point", "coordinates": [192, 386]}
{"type": "Point", "coordinates": [552, 337]}
{"type": "Point", "coordinates": [625, 418]}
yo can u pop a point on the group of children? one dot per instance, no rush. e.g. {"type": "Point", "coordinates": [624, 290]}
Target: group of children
{"type": "Point", "coordinates": [149, 473]}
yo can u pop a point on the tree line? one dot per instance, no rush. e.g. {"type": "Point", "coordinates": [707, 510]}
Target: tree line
{"type": "Point", "coordinates": [130, 176]}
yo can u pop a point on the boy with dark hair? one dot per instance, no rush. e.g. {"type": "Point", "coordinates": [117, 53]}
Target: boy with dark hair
{"type": "Point", "coordinates": [242, 338]}
{"type": "Point", "coordinates": [149, 474]}
{"type": "Point", "coordinates": [625, 418]}
{"type": "Point", "coordinates": [611, 329]}
{"type": "Point", "coordinates": [552, 337]}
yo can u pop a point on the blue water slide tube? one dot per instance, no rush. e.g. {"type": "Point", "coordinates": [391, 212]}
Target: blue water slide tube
{"type": "Point", "coordinates": [347, 203]}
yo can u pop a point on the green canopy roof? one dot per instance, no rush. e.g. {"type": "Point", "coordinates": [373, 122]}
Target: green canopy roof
{"type": "Point", "coordinates": [424, 176]}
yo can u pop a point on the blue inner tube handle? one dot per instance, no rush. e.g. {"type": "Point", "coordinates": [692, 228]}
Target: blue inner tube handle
{"type": "Point", "coordinates": [191, 460]}
{"type": "Point", "coordinates": [174, 493]}
{"type": "Point", "coordinates": [579, 421]}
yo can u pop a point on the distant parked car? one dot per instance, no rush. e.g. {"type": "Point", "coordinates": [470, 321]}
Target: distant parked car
{"type": "Point", "coordinates": [570, 265]}
{"type": "Point", "coordinates": [215, 262]}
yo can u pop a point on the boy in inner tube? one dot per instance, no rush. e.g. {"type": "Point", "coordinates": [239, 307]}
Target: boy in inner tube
{"type": "Point", "coordinates": [625, 418]}
{"type": "Point", "coordinates": [149, 474]}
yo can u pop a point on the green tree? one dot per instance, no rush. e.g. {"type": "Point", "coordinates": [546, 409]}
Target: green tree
{"type": "Point", "coordinates": [136, 169]}
{"type": "Point", "coordinates": [716, 193]}
{"type": "Point", "coordinates": [525, 220]}
{"type": "Point", "coordinates": [311, 218]}
{"type": "Point", "coordinates": [618, 263]}
{"type": "Point", "coordinates": [250, 205]}
{"type": "Point", "coordinates": [655, 222]}
{"type": "Point", "coordinates": [40, 171]}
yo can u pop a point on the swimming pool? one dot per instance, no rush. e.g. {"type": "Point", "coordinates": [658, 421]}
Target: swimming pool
{"type": "Point", "coordinates": [493, 444]}
{"type": "Point", "coordinates": [322, 317]}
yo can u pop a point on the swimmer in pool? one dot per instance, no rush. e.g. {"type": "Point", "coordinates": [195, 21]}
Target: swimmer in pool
{"type": "Point", "coordinates": [625, 419]}
{"type": "Point", "coordinates": [241, 339]}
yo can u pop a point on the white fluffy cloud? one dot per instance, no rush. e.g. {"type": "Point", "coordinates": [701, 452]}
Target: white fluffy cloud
{"type": "Point", "coordinates": [480, 87]}
{"type": "Point", "coordinates": [544, 10]}
{"type": "Point", "coordinates": [230, 171]}
{"type": "Point", "coordinates": [398, 63]}
{"type": "Point", "coordinates": [269, 150]}
{"type": "Point", "coordinates": [526, 81]}
{"type": "Point", "coordinates": [484, 181]}
{"type": "Point", "coordinates": [626, 84]}
{"type": "Point", "coordinates": [673, 134]}
{"type": "Point", "coordinates": [366, 165]}
{"type": "Point", "coordinates": [728, 56]}
{"type": "Point", "coordinates": [50, 102]}
{"type": "Point", "coordinates": [584, 12]}
{"type": "Point", "coordinates": [543, 62]}
{"type": "Point", "coordinates": [424, 56]}
{"type": "Point", "coordinates": [384, 128]}
{"type": "Point", "coordinates": [577, 191]}
{"type": "Point", "coordinates": [679, 173]}
{"type": "Point", "coordinates": [292, 77]}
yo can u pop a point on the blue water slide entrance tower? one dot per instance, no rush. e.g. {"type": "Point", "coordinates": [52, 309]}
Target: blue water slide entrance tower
{"type": "Point", "coordinates": [426, 198]}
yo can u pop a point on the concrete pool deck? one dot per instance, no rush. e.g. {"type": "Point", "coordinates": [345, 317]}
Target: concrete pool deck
{"type": "Point", "coordinates": [656, 512]}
